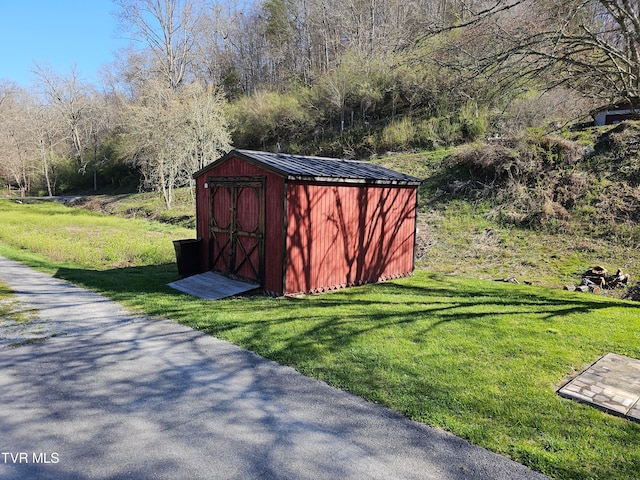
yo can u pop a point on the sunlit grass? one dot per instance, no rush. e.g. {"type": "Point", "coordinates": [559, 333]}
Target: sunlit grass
{"type": "Point", "coordinates": [464, 242]}
{"type": "Point", "coordinates": [478, 358]}
{"type": "Point", "coordinates": [146, 206]}
{"type": "Point", "coordinates": [86, 239]}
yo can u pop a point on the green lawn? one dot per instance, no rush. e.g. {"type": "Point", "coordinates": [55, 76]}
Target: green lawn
{"type": "Point", "coordinates": [478, 358]}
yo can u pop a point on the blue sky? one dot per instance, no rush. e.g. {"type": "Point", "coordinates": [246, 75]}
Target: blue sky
{"type": "Point", "coordinates": [57, 34]}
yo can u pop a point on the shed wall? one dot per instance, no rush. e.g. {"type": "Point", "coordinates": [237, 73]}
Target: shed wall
{"type": "Point", "coordinates": [342, 235]}
{"type": "Point", "coordinates": [274, 221]}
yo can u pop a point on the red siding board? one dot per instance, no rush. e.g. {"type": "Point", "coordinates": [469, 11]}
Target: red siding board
{"type": "Point", "coordinates": [348, 235]}
{"type": "Point", "coordinates": [333, 235]}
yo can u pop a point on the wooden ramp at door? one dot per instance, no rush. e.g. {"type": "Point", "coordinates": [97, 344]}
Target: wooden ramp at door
{"type": "Point", "coordinates": [212, 286]}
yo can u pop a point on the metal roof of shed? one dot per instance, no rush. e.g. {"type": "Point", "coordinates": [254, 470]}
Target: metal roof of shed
{"type": "Point", "coordinates": [319, 169]}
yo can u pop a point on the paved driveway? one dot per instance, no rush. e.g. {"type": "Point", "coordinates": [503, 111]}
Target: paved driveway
{"type": "Point", "coordinates": [110, 395]}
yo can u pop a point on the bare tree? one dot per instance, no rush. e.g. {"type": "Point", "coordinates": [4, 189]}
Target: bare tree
{"type": "Point", "coordinates": [228, 46]}
{"type": "Point", "coordinates": [17, 162]}
{"type": "Point", "coordinates": [173, 133]}
{"type": "Point", "coordinates": [46, 133]}
{"type": "Point", "coordinates": [592, 46]}
{"type": "Point", "coordinates": [205, 135]}
{"type": "Point", "coordinates": [166, 28]}
{"type": "Point", "coordinates": [69, 97]}
{"type": "Point", "coordinates": [101, 120]}
{"type": "Point", "coordinates": [599, 47]}
{"type": "Point", "coordinates": [274, 43]}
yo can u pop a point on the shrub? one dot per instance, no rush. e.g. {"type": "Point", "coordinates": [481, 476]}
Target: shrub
{"type": "Point", "coordinates": [437, 131]}
{"type": "Point", "coordinates": [523, 159]}
{"type": "Point", "coordinates": [473, 122]}
{"type": "Point", "coordinates": [398, 135]}
{"type": "Point", "coordinates": [531, 177]}
{"type": "Point", "coordinates": [267, 118]}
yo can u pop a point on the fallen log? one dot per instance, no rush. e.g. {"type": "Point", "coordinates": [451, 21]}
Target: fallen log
{"type": "Point", "coordinates": [595, 279]}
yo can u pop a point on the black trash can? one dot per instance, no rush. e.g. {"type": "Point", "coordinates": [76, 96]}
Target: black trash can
{"type": "Point", "coordinates": [188, 256]}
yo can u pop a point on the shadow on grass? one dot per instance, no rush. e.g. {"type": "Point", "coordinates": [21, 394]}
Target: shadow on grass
{"type": "Point", "coordinates": [435, 291]}
{"type": "Point", "coordinates": [134, 399]}
{"type": "Point", "coordinates": [125, 282]}
{"type": "Point", "coordinates": [443, 350]}
{"type": "Point", "coordinates": [427, 302]}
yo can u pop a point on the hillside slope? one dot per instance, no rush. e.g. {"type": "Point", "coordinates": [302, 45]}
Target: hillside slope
{"type": "Point", "coordinates": [540, 208]}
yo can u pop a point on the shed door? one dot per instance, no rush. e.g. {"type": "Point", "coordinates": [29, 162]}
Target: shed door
{"type": "Point", "coordinates": [236, 226]}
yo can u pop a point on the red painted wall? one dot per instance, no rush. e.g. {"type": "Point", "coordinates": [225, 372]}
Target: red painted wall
{"type": "Point", "coordinates": [342, 235]}
{"type": "Point", "coordinates": [274, 221]}
{"type": "Point", "coordinates": [336, 235]}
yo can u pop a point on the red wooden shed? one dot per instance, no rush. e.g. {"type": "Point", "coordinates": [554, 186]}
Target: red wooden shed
{"type": "Point", "coordinates": [299, 224]}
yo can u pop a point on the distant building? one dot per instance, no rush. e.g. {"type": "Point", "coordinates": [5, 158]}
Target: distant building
{"type": "Point", "coordinates": [613, 114]}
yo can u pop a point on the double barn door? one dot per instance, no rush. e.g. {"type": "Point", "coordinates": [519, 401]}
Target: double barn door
{"type": "Point", "coordinates": [236, 226]}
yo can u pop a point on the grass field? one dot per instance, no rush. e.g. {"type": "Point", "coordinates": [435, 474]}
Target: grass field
{"type": "Point", "coordinates": [478, 358]}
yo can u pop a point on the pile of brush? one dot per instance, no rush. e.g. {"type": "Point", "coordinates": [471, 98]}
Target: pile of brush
{"type": "Point", "coordinates": [597, 278]}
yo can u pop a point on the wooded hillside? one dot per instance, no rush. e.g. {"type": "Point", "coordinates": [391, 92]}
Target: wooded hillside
{"type": "Point", "coordinates": [351, 78]}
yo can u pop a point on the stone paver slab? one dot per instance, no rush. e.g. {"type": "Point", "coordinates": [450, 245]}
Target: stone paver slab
{"type": "Point", "coordinates": [612, 384]}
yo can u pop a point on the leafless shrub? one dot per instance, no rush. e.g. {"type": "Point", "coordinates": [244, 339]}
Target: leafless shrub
{"type": "Point", "coordinates": [531, 177]}
{"type": "Point", "coordinates": [619, 203]}
{"type": "Point", "coordinates": [516, 160]}
{"type": "Point", "coordinates": [490, 163]}
{"type": "Point", "coordinates": [571, 187]}
{"type": "Point", "coordinates": [546, 108]}
{"type": "Point", "coordinates": [554, 210]}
